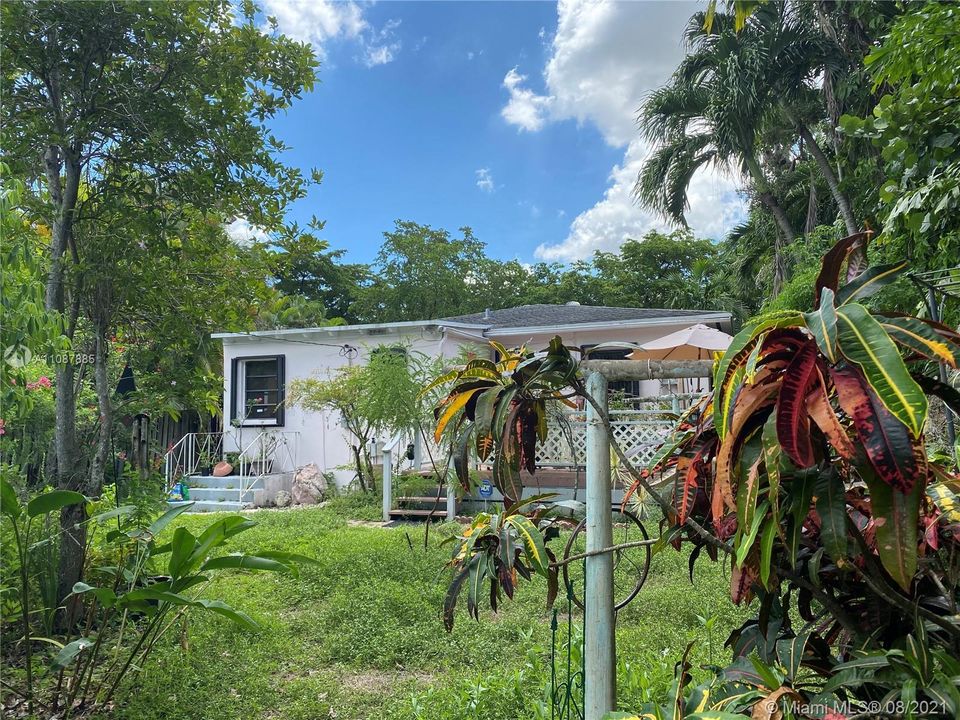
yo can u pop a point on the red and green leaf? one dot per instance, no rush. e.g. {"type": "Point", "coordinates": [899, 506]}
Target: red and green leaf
{"type": "Point", "coordinates": [748, 489]}
{"type": "Point", "coordinates": [753, 400]}
{"type": "Point", "coordinates": [739, 351]}
{"type": "Point", "coordinates": [832, 265]}
{"type": "Point", "coordinates": [870, 281]}
{"type": "Point", "coordinates": [864, 342]}
{"type": "Point", "coordinates": [822, 323]}
{"type": "Point", "coordinates": [887, 441]}
{"type": "Point", "coordinates": [922, 339]}
{"type": "Point", "coordinates": [822, 414]}
{"type": "Point", "coordinates": [771, 462]}
{"type": "Point", "coordinates": [793, 423]}
{"type": "Point", "coordinates": [896, 516]}
{"type": "Point", "coordinates": [832, 509]}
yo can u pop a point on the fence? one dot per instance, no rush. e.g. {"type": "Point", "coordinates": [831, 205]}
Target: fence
{"type": "Point", "coordinates": [639, 431]}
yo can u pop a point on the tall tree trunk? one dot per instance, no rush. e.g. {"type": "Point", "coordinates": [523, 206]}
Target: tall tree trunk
{"type": "Point", "coordinates": [769, 201]}
{"type": "Point", "coordinates": [361, 472]}
{"type": "Point", "coordinates": [105, 410]}
{"type": "Point", "coordinates": [843, 203]}
{"type": "Point", "coordinates": [779, 271]}
{"type": "Point", "coordinates": [63, 195]}
{"type": "Point", "coordinates": [811, 222]}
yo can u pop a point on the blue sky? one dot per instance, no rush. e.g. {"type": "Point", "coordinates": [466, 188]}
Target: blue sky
{"type": "Point", "coordinates": [513, 118]}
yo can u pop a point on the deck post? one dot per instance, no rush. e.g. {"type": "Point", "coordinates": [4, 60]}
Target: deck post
{"type": "Point", "coordinates": [451, 496]}
{"type": "Point", "coordinates": [599, 649]}
{"type": "Point", "coordinates": [417, 449]}
{"type": "Point", "coordinates": [386, 483]}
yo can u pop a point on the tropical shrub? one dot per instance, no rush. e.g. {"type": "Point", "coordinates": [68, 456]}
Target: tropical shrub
{"type": "Point", "coordinates": [806, 470]}
{"type": "Point", "coordinates": [136, 591]}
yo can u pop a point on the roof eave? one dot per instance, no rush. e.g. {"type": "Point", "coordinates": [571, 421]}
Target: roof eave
{"type": "Point", "coordinates": [721, 317]}
{"type": "Point", "coordinates": [336, 329]}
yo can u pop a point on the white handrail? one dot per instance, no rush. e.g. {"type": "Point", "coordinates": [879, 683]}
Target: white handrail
{"type": "Point", "coordinates": [183, 457]}
{"type": "Point", "coordinates": [277, 440]}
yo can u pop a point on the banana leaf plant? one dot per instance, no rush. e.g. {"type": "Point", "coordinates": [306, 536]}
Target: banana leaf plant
{"type": "Point", "coordinates": [809, 460]}
{"type": "Point", "coordinates": [502, 404]}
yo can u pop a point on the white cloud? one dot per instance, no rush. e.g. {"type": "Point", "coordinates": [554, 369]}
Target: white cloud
{"type": "Point", "coordinates": [525, 109]}
{"type": "Point", "coordinates": [485, 180]}
{"type": "Point", "coordinates": [605, 58]}
{"type": "Point", "coordinates": [470, 55]}
{"type": "Point", "coordinates": [244, 234]}
{"type": "Point", "coordinates": [381, 46]}
{"type": "Point", "coordinates": [316, 21]}
{"type": "Point", "coordinates": [320, 21]}
{"type": "Point", "coordinates": [714, 202]}
{"type": "Point", "coordinates": [374, 56]}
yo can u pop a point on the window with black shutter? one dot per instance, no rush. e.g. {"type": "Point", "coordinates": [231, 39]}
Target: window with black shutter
{"type": "Point", "coordinates": [258, 390]}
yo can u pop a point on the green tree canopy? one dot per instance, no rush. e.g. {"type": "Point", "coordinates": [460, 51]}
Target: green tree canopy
{"type": "Point", "coordinates": [422, 273]}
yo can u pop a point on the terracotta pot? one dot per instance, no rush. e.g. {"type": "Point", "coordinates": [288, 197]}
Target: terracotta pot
{"type": "Point", "coordinates": [222, 469]}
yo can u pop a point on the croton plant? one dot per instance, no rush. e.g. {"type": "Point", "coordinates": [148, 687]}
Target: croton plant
{"type": "Point", "coordinates": [807, 467]}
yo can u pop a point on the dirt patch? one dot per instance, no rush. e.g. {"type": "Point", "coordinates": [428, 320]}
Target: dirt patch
{"type": "Point", "coordinates": [379, 682]}
{"type": "Point", "coordinates": [365, 523]}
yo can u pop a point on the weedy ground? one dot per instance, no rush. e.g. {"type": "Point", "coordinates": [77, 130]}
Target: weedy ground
{"type": "Point", "coordinates": [359, 635]}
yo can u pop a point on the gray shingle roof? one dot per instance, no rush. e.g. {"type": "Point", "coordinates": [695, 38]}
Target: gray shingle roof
{"type": "Point", "coordinates": [549, 315]}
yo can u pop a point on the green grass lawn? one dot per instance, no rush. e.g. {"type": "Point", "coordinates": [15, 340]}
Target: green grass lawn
{"type": "Point", "coordinates": [360, 636]}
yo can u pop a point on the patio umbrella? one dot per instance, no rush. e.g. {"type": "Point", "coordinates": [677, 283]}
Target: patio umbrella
{"type": "Point", "coordinates": [696, 342]}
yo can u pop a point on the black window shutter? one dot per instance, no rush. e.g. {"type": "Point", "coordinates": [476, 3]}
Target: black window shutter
{"type": "Point", "coordinates": [234, 381]}
{"type": "Point", "coordinates": [281, 388]}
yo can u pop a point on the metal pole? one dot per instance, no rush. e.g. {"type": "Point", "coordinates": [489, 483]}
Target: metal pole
{"type": "Point", "coordinates": [387, 483]}
{"type": "Point", "coordinates": [951, 429]}
{"type": "Point", "coordinates": [599, 649]}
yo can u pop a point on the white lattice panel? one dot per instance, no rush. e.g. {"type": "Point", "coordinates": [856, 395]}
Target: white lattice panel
{"type": "Point", "coordinates": [638, 433]}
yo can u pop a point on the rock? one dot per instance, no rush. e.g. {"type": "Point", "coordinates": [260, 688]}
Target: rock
{"type": "Point", "coordinates": [222, 469]}
{"type": "Point", "coordinates": [282, 499]}
{"type": "Point", "coordinates": [309, 485]}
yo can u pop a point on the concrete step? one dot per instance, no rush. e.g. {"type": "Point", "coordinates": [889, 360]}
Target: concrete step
{"type": "Point", "coordinates": [228, 482]}
{"type": "Point", "coordinates": [415, 499]}
{"type": "Point", "coordinates": [215, 494]}
{"type": "Point", "coordinates": [210, 506]}
{"type": "Point", "coordinates": [407, 514]}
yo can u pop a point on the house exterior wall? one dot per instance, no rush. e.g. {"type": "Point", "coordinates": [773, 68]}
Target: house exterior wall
{"type": "Point", "coordinates": [322, 439]}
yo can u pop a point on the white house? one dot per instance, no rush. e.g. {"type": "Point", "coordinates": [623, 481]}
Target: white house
{"type": "Point", "coordinates": [259, 365]}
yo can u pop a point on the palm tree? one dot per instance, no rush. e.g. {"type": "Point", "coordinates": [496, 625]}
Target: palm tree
{"type": "Point", "coordinates": [729, 96]}
{"type": "Point", "coordinates": [800, 55]}
{"type": "Point", "coordinates": [710, 114]}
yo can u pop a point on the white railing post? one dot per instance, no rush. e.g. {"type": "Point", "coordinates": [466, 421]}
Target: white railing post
{"type": "Point", "coordinates": [386, 484]}
{"type": "Point", "coordinates": [598, 622]}
{"type": "Point", "coordinates": [417, 449]}
{"type": "Point", "coordinates": [451, 495]}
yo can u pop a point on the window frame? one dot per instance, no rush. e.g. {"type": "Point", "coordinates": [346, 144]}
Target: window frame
{"type": "Point", "coordinates": [238, 382]}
